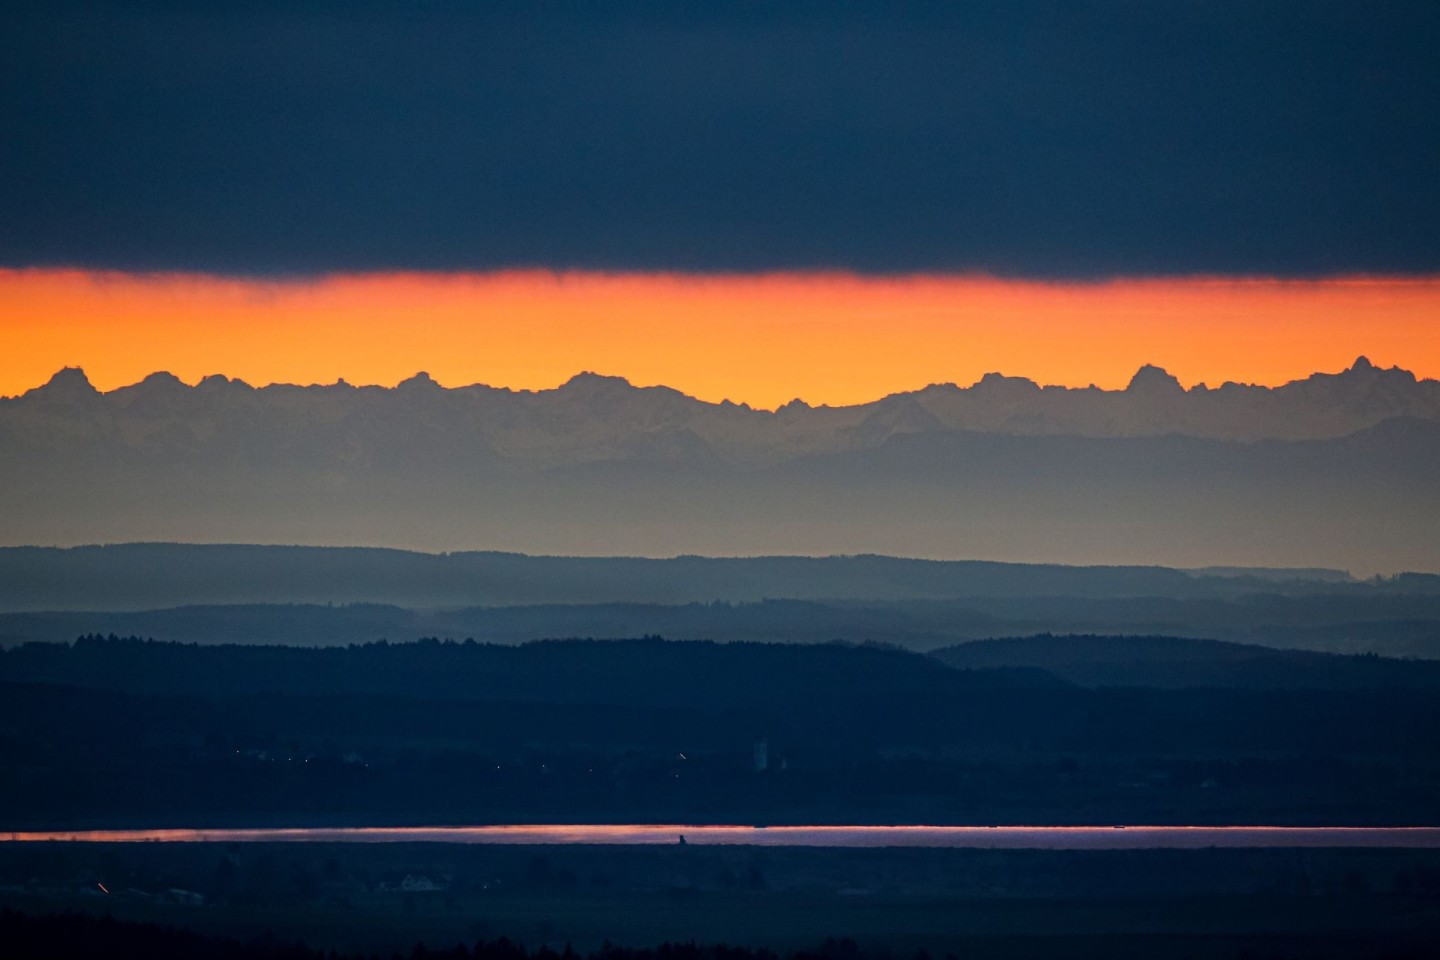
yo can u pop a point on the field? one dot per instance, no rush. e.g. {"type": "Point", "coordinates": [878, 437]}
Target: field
{"type": "Point", "coordinates": [1161, 903]}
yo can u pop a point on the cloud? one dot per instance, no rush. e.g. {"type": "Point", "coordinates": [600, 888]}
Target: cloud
{"type": "Point", "coordinates": [1064, 140]}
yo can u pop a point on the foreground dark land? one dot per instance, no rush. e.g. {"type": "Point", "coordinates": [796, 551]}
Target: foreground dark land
{"type": "Point", "coordinates": [893, 902]}
{"type": "Point", "coordinates": [1080, 730]}
{"type": "Point", "coordinates": [125, 733]}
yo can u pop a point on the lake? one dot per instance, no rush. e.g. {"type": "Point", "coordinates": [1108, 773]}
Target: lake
{"type": "Point", "coordinates": [998, 837]}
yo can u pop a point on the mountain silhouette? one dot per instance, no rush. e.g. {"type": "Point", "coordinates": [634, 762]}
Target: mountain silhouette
{"type": "Point", "coordinates": [1333, 470]}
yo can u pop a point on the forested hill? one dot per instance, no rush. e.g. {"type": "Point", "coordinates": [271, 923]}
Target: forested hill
{"type": "Point", "coordinates": [1344, 621]}
{"type": "Point", "coordinates": [126, 732]}
{"type": "Point", "coordinates": [143, 576]}
{"type": "Point", "coordinates": [635, 672]}
{"type": "Point", "coordinates": [1175, 663]}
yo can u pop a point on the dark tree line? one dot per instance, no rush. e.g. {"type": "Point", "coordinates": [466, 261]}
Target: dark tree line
{"type": "Point", "coordinates": [78, 935]}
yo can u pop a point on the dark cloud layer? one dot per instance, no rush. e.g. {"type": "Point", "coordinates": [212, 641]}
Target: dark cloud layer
{"type": "Point", "coordinates": [1064, 139]}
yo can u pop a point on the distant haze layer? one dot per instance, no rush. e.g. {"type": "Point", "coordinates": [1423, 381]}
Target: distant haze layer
{"type": "Point", "coordinates": [757, 339]}
{"type": "Point", "coordinates": [1336, 470]}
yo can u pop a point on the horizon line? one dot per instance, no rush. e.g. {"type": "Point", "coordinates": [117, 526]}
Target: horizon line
{"type": "Point", "coordinates": [1360, 362]}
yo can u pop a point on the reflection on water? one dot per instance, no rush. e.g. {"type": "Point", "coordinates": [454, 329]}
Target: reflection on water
{"type": "Point", "coordinates": [1051, 838]}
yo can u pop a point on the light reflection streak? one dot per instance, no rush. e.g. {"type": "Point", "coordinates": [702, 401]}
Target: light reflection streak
{"type": "Point", "coordinates": [998, 837]}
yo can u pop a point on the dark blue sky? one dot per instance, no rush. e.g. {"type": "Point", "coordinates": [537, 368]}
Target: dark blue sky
{"type": "Point", "coordinates": [1064, 139]}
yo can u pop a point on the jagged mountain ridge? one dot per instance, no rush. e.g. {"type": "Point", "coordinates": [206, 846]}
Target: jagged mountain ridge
{"type": "Point", "coordinates": [595, 418]}
{"type": "Point", "coordinates": [599, 467]}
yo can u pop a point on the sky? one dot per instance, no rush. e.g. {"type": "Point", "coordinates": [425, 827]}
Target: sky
{"type": "Point", "coordinates": [762, 340]}
{"type": "Point", "coordinates": [743, 200]}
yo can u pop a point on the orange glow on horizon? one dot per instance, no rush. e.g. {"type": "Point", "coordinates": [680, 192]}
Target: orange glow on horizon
{"type": "Point", "coordinates": [827, 338]}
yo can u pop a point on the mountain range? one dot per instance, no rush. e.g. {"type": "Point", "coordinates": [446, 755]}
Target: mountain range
{"type": "Point", "coordinates": [593, 417]}
{"type": "Point", "coordinates": [1333, 470]}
